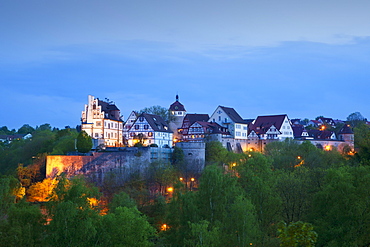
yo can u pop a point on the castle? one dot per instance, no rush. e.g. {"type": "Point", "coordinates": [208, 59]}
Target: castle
{"type": "Point", "coordinates": [145, 138]}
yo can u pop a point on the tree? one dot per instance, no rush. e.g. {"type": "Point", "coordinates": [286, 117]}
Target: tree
{"type": "Point", "coordinates": [354, 119]}
{"type": "Point", "coordinates": [25, 129]}
{"type": "Point", "coordinates": [177, 159]}
{"type": "Point", "coordinates": [24, 226]}
{"type": "Point", "coordinates": [201, 235]}
{"type": "Point", "coordinates": [284, 154]}
{"type": "Point", "coordinates": [158, 110]}
{"type": "Point", "coordinates": [257, 178]}
{"type": "Point", "coordinates": [215, 153]}
{"type": "Point", "coordinates": [297, 234]}
{"type": "Point", "coordinates": [125, 227]}
{"type": "Point", "coordinates": [341, 210]}
{"type": "Point", "coordinates": [121, 199]}
{"type": "Point", "coordinates": [84, 142]}
{"type": "Point", "coordinates": [74, 218]}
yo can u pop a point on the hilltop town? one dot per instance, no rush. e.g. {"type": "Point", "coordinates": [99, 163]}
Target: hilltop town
{"type": "Point", "coordinates": [103, 122]}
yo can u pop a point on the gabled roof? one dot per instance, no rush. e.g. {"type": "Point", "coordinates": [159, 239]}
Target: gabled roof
{"type": "Point", "coordinates": [346, 130]}
{"type": "Point", "coordinates": [233, 115]}
{"type": "Point", "coordinates": [320, 134]}
{"type": "Point", "coordinates": [298, 129]}
{"type": "Point", "coordinates": [214, 128]}
{"type": "Point", "coordinates": [156, 122]}
{"type": "Point", "coordinates": [177, 106]}
{"type": "Point", "coordinates": [265, 122]}
{"type": "Point", "coordinates": [192, 118]}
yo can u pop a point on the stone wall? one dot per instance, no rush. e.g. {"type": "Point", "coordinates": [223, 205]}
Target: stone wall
{"type": "Point", "coordinates": [194, 156]}
{"type": "Point", "coordinates": [120, 165]}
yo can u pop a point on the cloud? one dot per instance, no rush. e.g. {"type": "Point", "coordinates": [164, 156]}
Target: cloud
{"type": "Point", "coordinates": [33, 28]}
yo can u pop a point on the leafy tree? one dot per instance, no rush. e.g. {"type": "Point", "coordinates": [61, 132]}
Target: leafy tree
{"type": "Point", "coordinates": [162, 175]}
{"type": "Point", "coordinates": [158, 110]}
{"type": "Point", "coordinates": [201, 235]}
{"type": "Point", "coordinates": [25, 129]}
{"type": "Point", "coordinates": [362, 143]}
{"type": "Point", "coordinates": [215, 153]}
{"type": "Point", "coordinates": [284, 154]}
{"type": "Point", "coordinates": [7, 198]}
{"type": "Point", "coordinates": [125, 227]}
{"type": "Point", "coordinates": [121, 199]}
{"type": "Point", "coordinates": [293, 188]}
{"type": "Point", "coordinates": [5, 131]}
{"type": "Point", "coordinates": [297, 234]}
{"type": "Point", "coordinates": [341, 210]}
{"type": "Point", "coordinates": [71, 225]}
{"type": "Point", "coordinates": [355, 119]}
{"type": "Point", "coordinates": [40, 191]}
{"type": "Point", "coordinates": [177, 159]}
{"type": "Point", "coordinates": [84, 142]}
{"type": "Point", "coordinates": [257, 178]}
{"type": "Point", "coordinates": [24, 226]}
{"type": "Point", "coordinates": [74, 219]}
{"type": "Point", "coordinates": [65, 141]}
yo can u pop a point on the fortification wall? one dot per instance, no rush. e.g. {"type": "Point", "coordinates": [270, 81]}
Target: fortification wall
{"type": "Point", "coordinates": [118, 166]}
{"type": "Point", "coordinates": [194, 156]}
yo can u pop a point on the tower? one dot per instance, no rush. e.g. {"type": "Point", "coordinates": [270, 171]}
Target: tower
{"type": "Point", "coordinates": [178, 112]}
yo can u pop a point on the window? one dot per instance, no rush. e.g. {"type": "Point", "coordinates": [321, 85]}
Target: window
{"type": "Point", "coordinates": [146, 126]}
{"type": "Point", "coordinates": [237, 133]}
{"type": "Point", "coordinates": [96, 135]}
{"type": "Point", "coordinates": [141, 119]}
{"type": "Point", "coordinates": [237, 126]}
{"type": "Point", "coordinates": [98, 123]}
{"type": "Point", "coordinates": [136, 126]}
{"type": "Point", "coordinates": [150, 134]}
{"type": "Point", "coordinates": [219, 118]}
{"type": "Point", "coordinates": [245, 128]}
{"type": "Point", "coordinates": [108, 125]}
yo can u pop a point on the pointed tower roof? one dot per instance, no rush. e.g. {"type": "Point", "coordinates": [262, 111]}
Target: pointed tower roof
{"type": "Point", "coordinates": [177, 106]}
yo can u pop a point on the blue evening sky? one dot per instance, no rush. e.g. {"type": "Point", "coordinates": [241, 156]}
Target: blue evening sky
{"type": "Point", "coordinates": [302, 58]}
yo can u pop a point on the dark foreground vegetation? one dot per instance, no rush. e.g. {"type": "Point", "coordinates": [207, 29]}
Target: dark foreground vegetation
{"type": "Point", "coordinates": [290, 195]}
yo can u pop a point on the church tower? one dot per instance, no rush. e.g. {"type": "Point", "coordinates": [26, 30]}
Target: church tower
{"type": "Point", "coordinates": [178, 113]}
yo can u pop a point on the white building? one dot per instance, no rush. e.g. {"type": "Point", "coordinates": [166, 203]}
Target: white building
{"type": "Point", "coordinates": [102, 121]}
{"type": "Point", "coordinates": [227, 117]}
{"type": "Point", "coordinates": [150, 129]}
{"type": "Point", "coordinates": [272, 127]}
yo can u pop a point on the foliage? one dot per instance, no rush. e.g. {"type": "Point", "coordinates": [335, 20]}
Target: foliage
{"type": "Point", "coordinates": [355, 119]}
{"type": "Point", "coordinates": [177, 159]}
{"type": "Point", "coordinates": [121, 199]}
{"type": "Point", "coordinates": [297, 234]}
{"type": "Point", "coordinates": [215, 153]}
{"type": "Point", "coordinates": [24, 226]}
{"type": "Point", "coordinates": [25, 129]}
{"type": "Point", "coordinates": [201, 235]}
{"type": "Point", "coordinates": [125, 227]}
{"type": "Point", "coordinates": [84, 142]}
{"type": "Point", "coordinates": [158, 110]}
{"type": "Point", "coordinates": [341, 211]}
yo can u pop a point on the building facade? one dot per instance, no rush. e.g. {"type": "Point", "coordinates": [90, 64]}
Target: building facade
{"type": "Point", "coordinates": [102, 121]}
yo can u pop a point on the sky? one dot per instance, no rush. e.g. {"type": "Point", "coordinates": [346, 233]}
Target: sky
{"type": "Point", "coordinates": [265, 57]}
